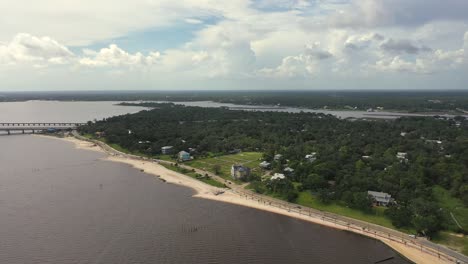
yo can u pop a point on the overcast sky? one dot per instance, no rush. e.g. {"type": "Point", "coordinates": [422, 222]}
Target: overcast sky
{"type": "Point", "coordinates": [235, 44]}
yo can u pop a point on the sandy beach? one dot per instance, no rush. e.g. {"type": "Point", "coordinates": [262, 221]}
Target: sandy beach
{"type": "Point", "coordinates": [206, 191]}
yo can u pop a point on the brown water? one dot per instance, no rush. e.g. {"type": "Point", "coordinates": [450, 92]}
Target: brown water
{"type": "Point", "coordinates": [63, 205]}
{"type": "Point", "coordinates": [57, 111]}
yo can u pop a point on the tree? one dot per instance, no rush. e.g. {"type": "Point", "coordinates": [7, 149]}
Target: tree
{"type": "Point", "coordinates": [400, 216]}
{"type": "Point", "coordinates": [314, 182]}
{"type": "Point", "coordinates": [362, 201]}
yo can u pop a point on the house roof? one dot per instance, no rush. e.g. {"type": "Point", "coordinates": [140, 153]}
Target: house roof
{"type": "Point", "coordinates": [380, 196]}
{"type": "Point", "coordinates": [184, 153]}
{"type": "Point", "coordinates": [278, 176]}
{"type": "Point", "coordinates": [240, 168]}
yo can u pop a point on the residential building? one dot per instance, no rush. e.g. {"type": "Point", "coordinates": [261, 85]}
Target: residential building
{"type": "Point", "coordinates": [311, 157]}
{"type": "Point", "coordinates": [278, 157]}
{"type": "Point", "coordinates": [239, 172]}
{"type": "Point", "coordinates": [288, 171]}
{"type": "Point", "coordinates": [184, 156]}
{"type": "Point", "coordinates": [278, 176]}
{"type": "Point", "coordinates": [380, 198]}
{"type": "Point", "coordinates": [265, 165]}
{"type": "Point", "coordinates": [402, 156]}
{"type": "Point", "coordinates": [100, 134]}
{"type": "Point", "coordinates": [167, 149]}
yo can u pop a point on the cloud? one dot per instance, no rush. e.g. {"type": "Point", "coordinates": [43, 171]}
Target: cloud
{"type": "Point", "coordinates": [403, 46]}
{"type": "Point", "coordinates": [27, 49]}
{"type": "Point", "coordinates": [432, 62]}
{"type": "Point", "coordinates": [113, 56]}
{"type": "Point", "coordinates": [304, 64]}
{"type": "Point", "coordinates": [359, 42]}
{"type": "Point", "coordinates": [387, 13]}
{"type": "Point", "coordinates": [193, 21]}
{"type": "Point", "coordinates": [240, 41]}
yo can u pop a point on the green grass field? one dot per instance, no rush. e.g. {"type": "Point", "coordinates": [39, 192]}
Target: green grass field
{"type": "Point", "coordinates": [376, 217]}
{"type": "Point", "coordinates": [453, 241]}
{"type": "Point", "coordinates": [249, 159]}
{"type": "Point", "coordinates": [451, 205]}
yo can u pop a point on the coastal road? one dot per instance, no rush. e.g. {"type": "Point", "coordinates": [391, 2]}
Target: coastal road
{"type": "Point", "coordinates": [370, 228]}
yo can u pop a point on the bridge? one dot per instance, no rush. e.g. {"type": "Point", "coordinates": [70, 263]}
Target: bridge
{"type": "Point", "coordinates": [37, 126]}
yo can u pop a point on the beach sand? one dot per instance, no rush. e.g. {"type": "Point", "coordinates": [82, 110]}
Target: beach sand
{"type": "Point", "coordinates": [206, 191]}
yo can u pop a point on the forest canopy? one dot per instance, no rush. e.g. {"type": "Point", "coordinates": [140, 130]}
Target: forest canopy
{"type": "Point", "coordinates": [352, 157]}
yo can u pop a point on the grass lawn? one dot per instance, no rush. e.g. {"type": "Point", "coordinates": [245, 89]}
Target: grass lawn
{"type": "Point", "coordinates": [194, 175]}
{"type": "Point", "coordinates": [377, 217]}
{"type": "Point", "coordinates": [249, 159]}
{"type": "Point", "coordinates": [166, 158]}
{"type": "Point", "coordinates": [451, 205]}
{"type": "Point", "coordinates": [453, 241]}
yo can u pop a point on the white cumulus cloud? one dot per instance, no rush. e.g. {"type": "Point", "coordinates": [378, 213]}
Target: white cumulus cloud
{"type": "Point", "coordinates": [39, 51]}
{"type": "Point", "coordinates": [115, 57]}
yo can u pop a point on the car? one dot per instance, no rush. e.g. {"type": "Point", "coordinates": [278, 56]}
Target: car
{"type": "Point", "coordinates": [412, 236]}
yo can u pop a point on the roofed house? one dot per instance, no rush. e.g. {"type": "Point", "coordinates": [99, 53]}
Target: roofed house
{"type": "Point", "coordinates": [184, 156]}
{"type": "Point", "coordinates": [288, 171]}
{"type": "Point", "coordinates": [239, 172]}
{"type": "Point", "coordinates": [380, 198]}
{"type": "Point", "coordinates": [278, 176]}
{"type": "Point", "coordinates": [311, 157]}
{"type": "Point", "coordinates": [278, 157]}
{"type": "Point", "coordinates": [265, 165]}
{"type": "Point", "coordinates": [402, 156]}
{"type": "Point", "coordinates": [167, 149]}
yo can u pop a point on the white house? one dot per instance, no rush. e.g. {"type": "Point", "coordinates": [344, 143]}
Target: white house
{"type": "Point", "coordinates": [288, 171]}
{"type": "Point", "coordinates": [265, 165]}
{"type": "Point", "coordinates": [311, 157]}
{"type": "Point", "coordinates": [278, 176]}
{"type": "Point", "coordinates": [167, 149]}
{"type": "Point", "coordinates": [278, 157]}
{"type": "Point", "coordinates": [402, 156]}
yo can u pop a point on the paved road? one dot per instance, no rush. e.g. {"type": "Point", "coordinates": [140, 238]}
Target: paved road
{"type": "Point", "coordinates": [337, 219]}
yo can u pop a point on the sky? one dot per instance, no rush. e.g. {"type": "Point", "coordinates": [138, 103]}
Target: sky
{"type": "Point", "coordinates": [233, 45]}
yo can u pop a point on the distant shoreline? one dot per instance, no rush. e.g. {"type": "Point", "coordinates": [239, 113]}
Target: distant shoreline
{"type": "Point", "coordinates": [206, 191]}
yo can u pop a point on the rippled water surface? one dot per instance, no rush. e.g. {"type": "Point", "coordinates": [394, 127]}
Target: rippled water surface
{"type": "Point", "coordinates": [63, 205]}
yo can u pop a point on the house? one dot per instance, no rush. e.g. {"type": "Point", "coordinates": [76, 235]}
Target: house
{"type": "Point", "coordinates": [288, 171]}
{"type": "Point", "coordinates": [366, 157]}
{"type": "Point", "coordinates": [239, 172]}
{"type": "Point", "coordinates": [278, 176]}
{"type": "Point", "coordinates": [100, 134]}
{"type": "Point", "coordinates": [265, 165]}
{"type": "Point", "coordinates": [192, 150]}
{"type": "Point", "coordinates": [167, 149]}
{"type": "Point", "coordinates": [380, 198]}
{"type": "Point", "coordinates": [402, 156]}
{"type": "Point", "coordinates": [235, 151]}
{"type": "Point", "coordinates": [311, 157]}
{"type": "Point", "coordinates": [184, 156]}
{"type": "Point", "coordinates": [278, 157]}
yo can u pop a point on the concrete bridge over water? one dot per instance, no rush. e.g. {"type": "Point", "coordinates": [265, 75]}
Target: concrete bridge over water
{"type": "Point", "coordinates": [24, 127]}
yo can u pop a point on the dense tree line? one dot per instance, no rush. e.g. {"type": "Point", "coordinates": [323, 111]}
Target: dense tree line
{"type": "Point", "coordinates": [413, 101]}
{"type": "Point", "coordinates": [352, 156]}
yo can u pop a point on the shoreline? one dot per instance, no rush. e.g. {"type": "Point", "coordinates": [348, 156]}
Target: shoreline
{"type": "Point", "coordinates": [205, 191]}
